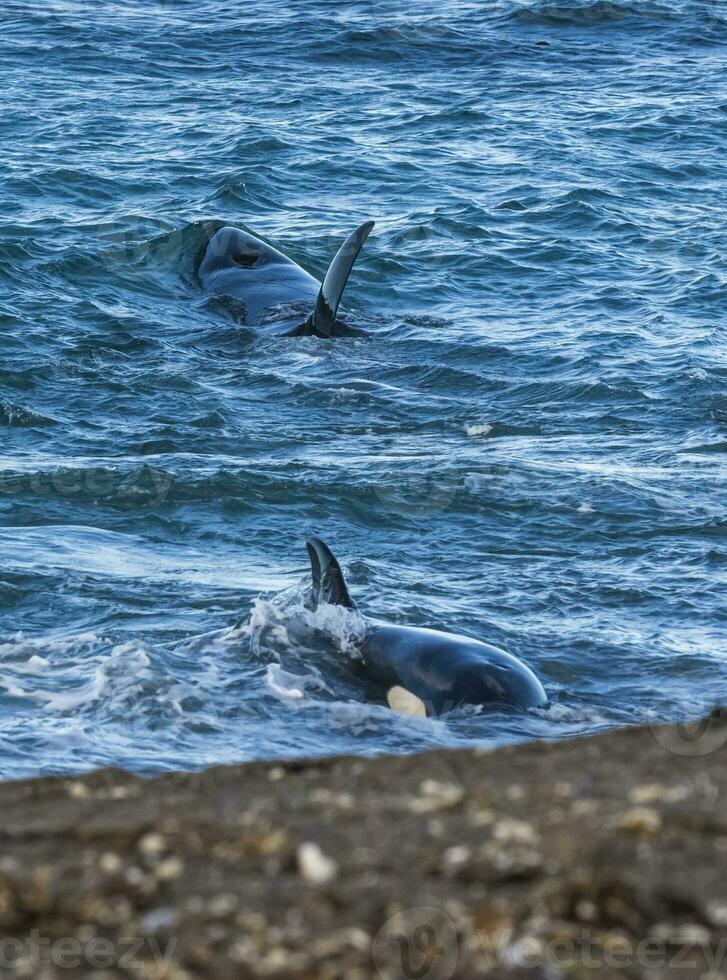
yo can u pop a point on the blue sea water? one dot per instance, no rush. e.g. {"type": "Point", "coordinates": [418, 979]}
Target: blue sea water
{"type": "Point", "coordinates": [528, 445]}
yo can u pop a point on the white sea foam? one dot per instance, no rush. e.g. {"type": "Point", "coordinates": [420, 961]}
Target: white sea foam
{"type": "Point", "coordinates": [104, 673]}
{"type": "Point", "coordinates": [478, 429]}
{"type": "Point", "coordinates": [290, 686]}
{"type": "Point", "coordinates": [555, 711]}
{"type": "Point", "coordinates": [285, 622]}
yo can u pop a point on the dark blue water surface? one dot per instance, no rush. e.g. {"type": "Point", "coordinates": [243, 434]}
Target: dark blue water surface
{"type": "Point", "coordinates": [529, 445]}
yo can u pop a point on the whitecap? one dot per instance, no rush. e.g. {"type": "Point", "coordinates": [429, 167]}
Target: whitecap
{"type": "Point", "coordinates": [480, 429]}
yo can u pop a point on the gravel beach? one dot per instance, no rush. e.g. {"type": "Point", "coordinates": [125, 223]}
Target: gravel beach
{"type": "Point", "coordinates": [597, 857]}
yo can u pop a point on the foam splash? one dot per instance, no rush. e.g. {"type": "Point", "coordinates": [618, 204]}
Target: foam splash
{"type": "Point", "coordinates": [67, 676]}
{"type": "Point", "coordinates": [18, 646]}
{"type": "Point", "coordinates": [284, 622]}
{"type": "Point", "coordinates": [292, 639]}
{"type": "Point", "coordinates": [20, 415]}
{"type": "Point", "coordinates": [481, 429]}
{"type": "Point", "coordinates": [570, 713]}
{"type": "Point", "coordinates": [290, 686]}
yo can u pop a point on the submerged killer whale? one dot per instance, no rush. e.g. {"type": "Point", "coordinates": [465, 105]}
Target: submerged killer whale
{"type": "Point", "coordinates": [277, 294]}
{"type": "Point", "coordinates": [425, 671]}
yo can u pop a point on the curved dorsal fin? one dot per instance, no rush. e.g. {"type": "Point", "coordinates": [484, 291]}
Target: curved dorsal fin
{"type": "Point", "coordinates": [329, 584]}
{"type": "Point", "coordinates": [322, 322]}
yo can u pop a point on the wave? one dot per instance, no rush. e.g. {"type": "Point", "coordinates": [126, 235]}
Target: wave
{"type": "Point", "coordinates": [586, 13]}
{"type": "Point", "coordinates": [20, 415]}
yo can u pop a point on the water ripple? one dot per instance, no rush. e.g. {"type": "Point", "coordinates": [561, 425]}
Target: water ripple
{"type": "Point", "coordinates": [526, 441]}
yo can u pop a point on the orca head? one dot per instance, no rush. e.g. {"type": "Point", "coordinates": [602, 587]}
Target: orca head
{"type": "Point", "coordinates": [231, 248]}
{"type": "Point", "coordinates": [273, 290]}
{"type": "Point", "coordinates": [497, 680]}
{"type": "Point", "coordinates": [238, 264]}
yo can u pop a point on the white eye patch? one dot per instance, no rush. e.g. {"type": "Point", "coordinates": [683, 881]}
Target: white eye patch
{"type": "Point", "coordinates": [405, 703]}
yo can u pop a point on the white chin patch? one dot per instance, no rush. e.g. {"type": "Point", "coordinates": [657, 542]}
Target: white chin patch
{"type": "Point", "coordinates": [403, 702]}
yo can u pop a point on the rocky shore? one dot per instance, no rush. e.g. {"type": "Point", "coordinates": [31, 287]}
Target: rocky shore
{"type": "Point", "coordinates": [597, 857]}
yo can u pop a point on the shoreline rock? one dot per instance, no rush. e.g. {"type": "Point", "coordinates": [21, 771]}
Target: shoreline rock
{"type": "Point", "coordinates": [596, 857]}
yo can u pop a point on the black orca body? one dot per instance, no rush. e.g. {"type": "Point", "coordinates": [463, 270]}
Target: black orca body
{"type": "Point", "coordinates": [278, 296]}
{"type": "Point", "coordinates": [425, 671]}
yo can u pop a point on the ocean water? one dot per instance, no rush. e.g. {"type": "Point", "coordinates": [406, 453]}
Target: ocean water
{"type": "Point", "coordinates": [528, 443]}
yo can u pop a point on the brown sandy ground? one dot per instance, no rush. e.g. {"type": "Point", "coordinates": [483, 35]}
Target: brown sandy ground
{"type": "Point", "coordinates": [597, 857]}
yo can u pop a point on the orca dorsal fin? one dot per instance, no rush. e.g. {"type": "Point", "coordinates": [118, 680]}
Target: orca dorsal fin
{"type": "Point", "coordinates": [329, 584]}
{"type": "Point", "coordinates": [322, 321]}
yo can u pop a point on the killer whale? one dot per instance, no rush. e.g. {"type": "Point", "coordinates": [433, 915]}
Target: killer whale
{"type": "Point", "coordinates": [278, 296]}
{"type": "Point", "coordinates": [426, 671]}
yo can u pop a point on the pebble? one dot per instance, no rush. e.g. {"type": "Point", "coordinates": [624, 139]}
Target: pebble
{"type": "Point", "coordinates": [717, 913]}
{"type": "Point", "coordinates": [315, 866]}
{"type": "Point", "coordinates": [586, 910]}
{"type": "Point", "coordinates": [152, 845]}
{"type": "Point", "coordinates": [159, 920]}
{"type": "Point", "coordinates": [456, 857]}
{"type": "Point", "coordinates": [222, 905]}
{"type": "Point", "coordinates": [436, 796]}
{"type": "Point", "coordinates": [169, 869]}
{"type": "Point", "coordinates": [655, 792]}
{"type": "Point", "coordinates": [342, 801]}
{"type": "Point", "coordinates": [134, 876]}
{"type": "Point", "coordinates": [78, 791]}
{"type": "Point", "coordinates": [110, 863]}
{"type": "Point", "coordinates": [271, 843]}
{"type": "Point", "coordinates": [510, 831]}
{"type": "Point", "coordinates": [123, 792]}
{"type": "Point", "coordinates": [640, 820]}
